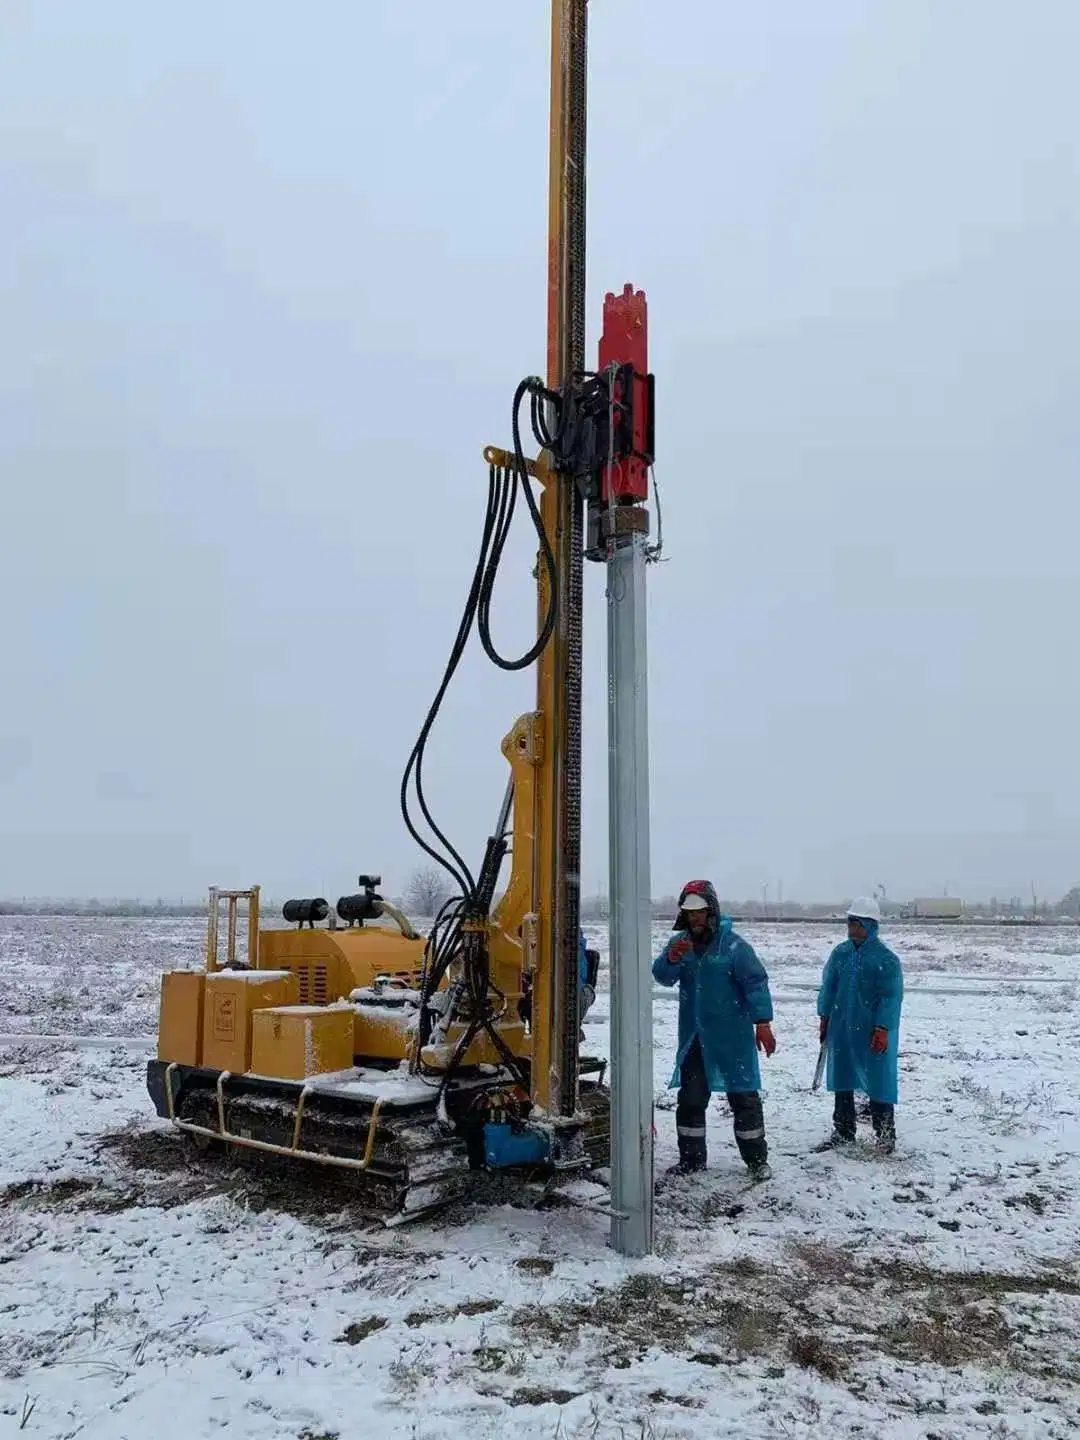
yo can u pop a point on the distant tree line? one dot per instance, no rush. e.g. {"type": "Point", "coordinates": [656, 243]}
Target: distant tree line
{"type": "Point", "coordinates": [107, 909]}
{"type": "Point", "coordinates": [428, 889]}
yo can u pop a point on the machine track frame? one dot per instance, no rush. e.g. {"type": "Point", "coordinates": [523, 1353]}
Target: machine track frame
{"type": "Point", "coordinates": [400, 1157]}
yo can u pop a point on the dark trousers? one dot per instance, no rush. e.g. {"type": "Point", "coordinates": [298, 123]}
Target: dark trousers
{"type": "Point", "coordinates": [882, 1117]}
{"type": "Point", "coordinates": [694, 1097]}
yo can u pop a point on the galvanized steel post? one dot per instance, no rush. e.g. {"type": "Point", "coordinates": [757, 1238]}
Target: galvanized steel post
{"type": "Point", "coordinates": [631, 917]}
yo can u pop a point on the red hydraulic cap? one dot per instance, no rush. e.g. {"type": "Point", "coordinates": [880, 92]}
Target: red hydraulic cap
{"type": "Point", "coordinates": [625, 342]}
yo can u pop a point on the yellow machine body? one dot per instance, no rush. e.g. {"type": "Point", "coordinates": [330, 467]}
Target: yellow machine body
{"type": "Point", "coordinates": [330, 964]}
{"type": "Point", "coordinates": [309, 1001]}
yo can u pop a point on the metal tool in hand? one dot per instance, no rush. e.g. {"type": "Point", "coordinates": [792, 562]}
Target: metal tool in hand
{"type": "Point", "coordinates": [819, 1069]}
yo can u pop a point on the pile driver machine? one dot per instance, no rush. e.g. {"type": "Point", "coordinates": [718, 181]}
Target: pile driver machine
{"type": "Point", "coordinates": [352, 1041]}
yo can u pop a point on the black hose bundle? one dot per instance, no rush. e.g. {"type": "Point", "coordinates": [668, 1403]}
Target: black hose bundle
{"type": "Point", "coordinates": [450, 936]}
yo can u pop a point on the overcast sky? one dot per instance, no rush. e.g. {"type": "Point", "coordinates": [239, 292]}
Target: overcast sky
{"type": "Point", "coordinates": [270, 274]}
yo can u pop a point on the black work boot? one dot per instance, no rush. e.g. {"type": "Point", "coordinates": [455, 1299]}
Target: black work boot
{"type": "Point", "coordinates": [883, 1119]}
{"type": "Point", "coordinates": [749, 1123]}
{"type": "Point", "coordinates": [693, 1102]}
{"type": "Point", "coordinates": [693, 1152]}
{"type": "Point", "coordinates": [834, 1142]}
{"type": "Point", "coordinates": [843, 1122]}
{"type": "Point", "coordinates": [686, 1166]}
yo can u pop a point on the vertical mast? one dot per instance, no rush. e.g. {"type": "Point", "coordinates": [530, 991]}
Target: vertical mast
{"type": "Point", "coordinates": [557, 893]}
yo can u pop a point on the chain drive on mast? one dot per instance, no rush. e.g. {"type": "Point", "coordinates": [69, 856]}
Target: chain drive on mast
{"type": "Point", "coordinates": [568, 353]}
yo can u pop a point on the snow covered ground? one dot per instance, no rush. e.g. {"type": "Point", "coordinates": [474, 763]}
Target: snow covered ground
{"type": "Point", "coordinates": [935, 1293]}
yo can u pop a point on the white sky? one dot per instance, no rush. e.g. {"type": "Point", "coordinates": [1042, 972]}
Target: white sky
{"type": "Point", "coordinates": [269, 275]}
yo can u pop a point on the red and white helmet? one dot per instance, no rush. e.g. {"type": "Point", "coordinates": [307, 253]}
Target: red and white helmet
{"type": "Point", "coordinates": [697, 895]}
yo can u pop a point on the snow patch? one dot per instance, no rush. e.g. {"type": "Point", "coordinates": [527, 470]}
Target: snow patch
{"type": "Point", "coordinates": [146, 1291]}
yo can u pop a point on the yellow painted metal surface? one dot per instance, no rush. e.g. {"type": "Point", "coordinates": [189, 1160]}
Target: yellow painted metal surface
{"type": "Point", "coordinates": [296, 1042]}
{"type": "Point", "coordinates": [330, 964]}
{"type": "Point", "coordinates": [180, 1017]}
{"type": "Point", "coordinates": [382, 1032]}
{"type": "Point", "coordinates": [231, 997]}
{"type": "Point", "coordinates": [508, 941]}
{"type": "Point", "coordinates": [481, 1050]}
{"type": "Point", "coordinates": [548, 1022]}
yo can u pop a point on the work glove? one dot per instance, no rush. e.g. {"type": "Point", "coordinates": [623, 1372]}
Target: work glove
{"type": "Point", "coordinates": [823, 1027]}
{"type": "Point", "coordinates": [879, 1041]}
{"type": "Point", "coordinates": [766, 1040]}
{"type": "Point", "coordinates": [680, 950]}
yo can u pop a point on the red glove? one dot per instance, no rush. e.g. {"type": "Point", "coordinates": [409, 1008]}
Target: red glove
{"type": "Point", "coordinates": [680, 949]}
{"type": "Point", "coordinates": [766, 1040]}
{"type": "Point", "coordinates": [879, 1041]}
{"type": "Point", "coordinates": [823, 1027]}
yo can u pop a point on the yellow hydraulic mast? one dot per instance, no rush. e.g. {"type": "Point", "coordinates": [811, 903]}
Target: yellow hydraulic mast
{"type": "Point", "coordinates": [558, 788]}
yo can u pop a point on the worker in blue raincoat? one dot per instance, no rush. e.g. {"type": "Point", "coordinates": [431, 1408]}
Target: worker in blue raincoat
{"type": "Point", "coordinates": [725, 1014]}
{"type": "Point", "coordinates": [862, 990]}
{"type": "Point", "coordinates": [588, 963]}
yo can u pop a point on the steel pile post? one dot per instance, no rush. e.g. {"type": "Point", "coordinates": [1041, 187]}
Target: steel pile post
{"type": "Point", "coordinates": [621, 522]}
{"type": "Point", "coordinates": [631, 919]}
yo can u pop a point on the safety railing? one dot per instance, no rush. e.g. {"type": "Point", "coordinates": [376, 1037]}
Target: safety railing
{"type": "Point", "coordinates": [232, 898]}
{"type": "Point", "coordinates": [343, 1162]}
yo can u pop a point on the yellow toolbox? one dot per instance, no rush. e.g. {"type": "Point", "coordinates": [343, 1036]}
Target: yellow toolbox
{"type": "Point", "coordinates": [292, 1042]}
{"type": "Point", "coordinates": [232, 996]}
{"type": "Point", "coordinates": [180, 1021]}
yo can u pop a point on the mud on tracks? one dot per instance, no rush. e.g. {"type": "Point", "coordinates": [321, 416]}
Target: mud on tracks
{"type": "Point", "coordinates": [161, 1169]}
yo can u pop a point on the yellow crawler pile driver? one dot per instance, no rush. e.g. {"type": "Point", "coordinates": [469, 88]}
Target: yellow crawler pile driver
{"type": "Point", "coordinates": [409, 1060]}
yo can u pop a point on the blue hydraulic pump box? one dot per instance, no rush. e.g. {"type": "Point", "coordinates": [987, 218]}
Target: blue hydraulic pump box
{"type": "Point", "coordinates": [505, 1145]}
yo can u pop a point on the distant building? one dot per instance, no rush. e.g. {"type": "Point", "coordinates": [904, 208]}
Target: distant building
{"type": "Point", "coordinates": [938, 908]}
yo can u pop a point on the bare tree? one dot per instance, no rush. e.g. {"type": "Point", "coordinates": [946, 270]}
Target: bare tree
{"type": "Point", "coordinates": [427, 891]}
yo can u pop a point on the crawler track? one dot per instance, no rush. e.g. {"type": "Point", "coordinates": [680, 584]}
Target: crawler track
{"type": "Point", "coordinates": [392, 1155]}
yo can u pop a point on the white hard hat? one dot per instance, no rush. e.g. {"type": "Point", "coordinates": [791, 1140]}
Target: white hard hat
{"type": "Point", "coordinates": [694, 902]}
{"type": "Point", "coordinates": [864, 908]}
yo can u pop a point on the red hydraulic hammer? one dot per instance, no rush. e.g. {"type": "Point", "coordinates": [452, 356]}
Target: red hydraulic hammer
{"type": "Point", "coordinates": [624, 345]}
{"type": "Point", "coordinates": [624, 416]}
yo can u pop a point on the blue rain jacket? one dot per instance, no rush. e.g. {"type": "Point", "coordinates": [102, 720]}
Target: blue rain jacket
{"type": "Point", "coordinates": [583, 959]}
{"type": "Point", "coordinates": [723, 994]}
{"type": "Point", "coordinates": [862, 988]}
